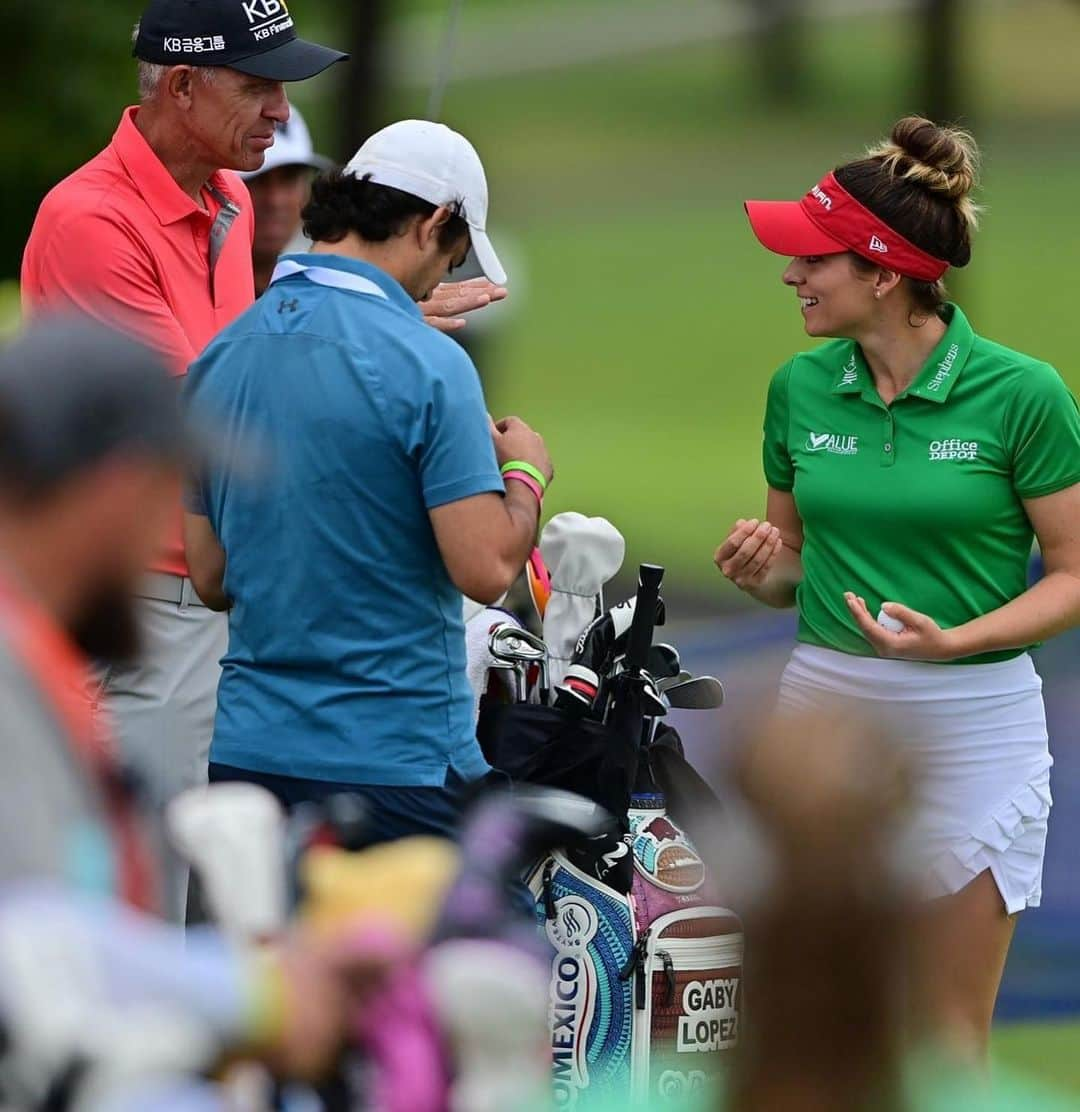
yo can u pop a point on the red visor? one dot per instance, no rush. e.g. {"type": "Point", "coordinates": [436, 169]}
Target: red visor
{"type": "Point", "coordinates": [829, 220]}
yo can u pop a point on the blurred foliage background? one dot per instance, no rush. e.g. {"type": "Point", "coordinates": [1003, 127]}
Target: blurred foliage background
{"type": "Point", "coordinates": [620, 138]}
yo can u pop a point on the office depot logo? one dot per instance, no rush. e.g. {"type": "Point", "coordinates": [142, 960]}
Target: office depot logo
{"type": "Point", "coordinates": [954, 449]}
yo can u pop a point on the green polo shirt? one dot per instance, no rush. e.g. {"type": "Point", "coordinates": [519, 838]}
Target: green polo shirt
{"type": "Point", "coordinates": [918, 502]}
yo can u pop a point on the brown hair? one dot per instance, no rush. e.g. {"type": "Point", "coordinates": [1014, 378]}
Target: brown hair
{"type": "Point", "coordinates": [919, 182]}
{"type": "Point", "coordinates": [826, 971]}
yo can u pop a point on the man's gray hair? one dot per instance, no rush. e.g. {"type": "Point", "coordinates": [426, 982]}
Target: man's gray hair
{"type": "Point", "coordinates": [151, 73]}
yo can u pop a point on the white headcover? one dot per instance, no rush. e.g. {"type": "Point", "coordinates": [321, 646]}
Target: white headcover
{"type": "Point", "coordinates": [582, 554]}
{"type": "Point", "coordinates": [234, 836]}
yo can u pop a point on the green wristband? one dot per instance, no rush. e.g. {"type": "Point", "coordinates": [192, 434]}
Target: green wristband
{"type": "Point", "coordinates": [521, 465]}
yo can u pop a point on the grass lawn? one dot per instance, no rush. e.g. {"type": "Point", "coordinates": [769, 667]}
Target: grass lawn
{"type": "Point", "coordinates": [648, 319]}
{"type": "Point", "coordinates": [1048, 1052]}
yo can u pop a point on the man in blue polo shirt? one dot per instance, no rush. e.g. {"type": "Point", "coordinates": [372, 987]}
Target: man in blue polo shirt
{"type": "Point", "coordinates": [388, 494]}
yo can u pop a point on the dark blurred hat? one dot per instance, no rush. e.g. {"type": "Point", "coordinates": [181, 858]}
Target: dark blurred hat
{"type": "Point", "coordinates": [253, 36]}
{"type": "Point", "coordinates": [74, 393]}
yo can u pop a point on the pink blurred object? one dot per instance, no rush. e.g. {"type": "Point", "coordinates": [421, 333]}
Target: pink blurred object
{"type": "Point", "coordinates": [397, 1029]}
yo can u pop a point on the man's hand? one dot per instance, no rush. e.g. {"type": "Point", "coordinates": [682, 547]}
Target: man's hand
{"type": "Point", "coordinates": [749, 552]}
{"type": "Point", "coordinates": [920, 639]}
{"type": "Point", "coordinates": [448, 301]}
{"type": "Point", "coordinates": [515, 440]}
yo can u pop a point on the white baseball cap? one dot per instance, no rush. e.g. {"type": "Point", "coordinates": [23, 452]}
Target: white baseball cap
{"type": "Point", "coordinates": [438, 165]}
{"type": "Point", "coordinates": [292, 147]}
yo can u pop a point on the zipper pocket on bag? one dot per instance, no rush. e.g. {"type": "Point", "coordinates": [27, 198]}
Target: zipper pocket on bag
{"type": "Point", "coordinates": [669, 973]}
{"type": "Point", "coordinates": [548, 890]}
{"type": "Point", "coordinates": [635, 967]}
{"type": "Point", "coordinates": [699, 953]}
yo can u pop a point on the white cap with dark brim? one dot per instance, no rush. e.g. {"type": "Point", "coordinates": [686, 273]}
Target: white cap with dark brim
{"type": "Point", "coordinates": [292, 147]}
{"type": "Point", "coordinates": [438, 165]}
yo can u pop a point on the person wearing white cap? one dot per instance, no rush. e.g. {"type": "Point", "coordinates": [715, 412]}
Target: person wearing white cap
{"type": "Point", "coordinates": [279, 190]}
{"type": "Point", "coordinates": [390, 494]}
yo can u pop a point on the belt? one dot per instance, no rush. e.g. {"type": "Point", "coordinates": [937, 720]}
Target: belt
{"type": "Point", "coordinates": [163, 587]}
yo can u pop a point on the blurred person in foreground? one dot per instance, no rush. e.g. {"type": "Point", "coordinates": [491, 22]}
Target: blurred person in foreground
{"type": "Point", "coordinates": [391, 494]}
{"type": "Point", "coordinates": [832, 975]}
{"type": "Point", "coordinates": [154, 236]}
{"type": "Point", "coordinates": [92, 448]}
{"type": "Point", "coordinates": [910, 464]}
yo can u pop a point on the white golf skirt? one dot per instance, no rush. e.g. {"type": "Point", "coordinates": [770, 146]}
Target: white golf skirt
{"type": "Point", "coordinates": [978, 735]}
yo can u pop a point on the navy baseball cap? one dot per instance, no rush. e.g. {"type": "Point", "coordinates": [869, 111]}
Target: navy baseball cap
{"type": "Point", "coordinates": [253, 36]}
{"type": "Point", "coordinates": [74, 392]}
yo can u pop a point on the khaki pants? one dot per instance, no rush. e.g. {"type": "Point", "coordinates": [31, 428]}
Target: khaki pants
{"type": "Point", "coordinates": [161, 711]}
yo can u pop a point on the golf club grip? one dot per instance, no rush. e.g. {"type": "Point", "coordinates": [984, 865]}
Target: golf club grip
{"type": "Point", "coordinates": [650, 577]}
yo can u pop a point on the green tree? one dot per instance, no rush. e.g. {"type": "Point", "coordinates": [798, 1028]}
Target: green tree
{"type": "Point", "coordinates": [778, 50]}
{"type": "Point", "coordinates": [942, 60]}
{"type": "Point", "coordinates": [68, 72]}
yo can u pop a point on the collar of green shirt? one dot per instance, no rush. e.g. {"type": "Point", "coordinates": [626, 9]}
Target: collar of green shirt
{"type": "Point", "coordinates": [939, 372]}
{"type": "Point", "coordinates": [393, 289]}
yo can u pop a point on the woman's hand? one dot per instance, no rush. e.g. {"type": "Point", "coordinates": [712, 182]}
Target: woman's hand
{"type": "Point", "coordinates": [920, 639]}
{"type": "Point", "coordinates": [749, 553]}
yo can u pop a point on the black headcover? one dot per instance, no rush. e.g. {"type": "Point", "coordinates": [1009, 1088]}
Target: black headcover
{"type": "Point", "coordinates": [535, 744]}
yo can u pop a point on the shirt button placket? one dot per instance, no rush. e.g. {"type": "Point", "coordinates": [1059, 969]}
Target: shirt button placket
{"type": "Point", "coordinates": [888, 446]}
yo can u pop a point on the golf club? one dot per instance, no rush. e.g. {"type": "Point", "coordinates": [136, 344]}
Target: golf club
{"type": "Point", "coordinates": [663, 661]}
{"type": "Point", "coordinates": [671, 681]}
{"type": "Point", "coordinates": [699, 693]}
{"type": "Point", "coordinates": [446, 59]}
{"type": "Point", "coordinates": [519, 649]}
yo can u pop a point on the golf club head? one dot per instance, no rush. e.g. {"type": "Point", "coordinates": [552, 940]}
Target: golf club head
{"type": "Point", "coordinates": [518, 673]}
{"type": "Point", "coordinates": [663, 661]}
{"type": "Point", "coordinates": [653, 703]}
{"type": "Point", "coordinates": [515, 645]}
{"type": "Point", "coordinates": [671, 681]}
{"type": "Point", "coordinates": [233, 834]}
{"type": "Point", "coordinates": [699, 693]}
{"type": "Point", "coordinates": [558, 818]}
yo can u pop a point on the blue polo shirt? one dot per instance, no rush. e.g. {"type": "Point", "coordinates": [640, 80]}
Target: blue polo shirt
{"type": "Point", "coordinates": [346, 657]}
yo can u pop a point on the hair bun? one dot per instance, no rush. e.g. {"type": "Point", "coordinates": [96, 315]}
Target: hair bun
{"type": "Point", "coordinates": [943, 160]}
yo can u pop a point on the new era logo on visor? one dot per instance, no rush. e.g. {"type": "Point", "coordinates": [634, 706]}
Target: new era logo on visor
{"type": "Point", "coordinates": [877, 245]}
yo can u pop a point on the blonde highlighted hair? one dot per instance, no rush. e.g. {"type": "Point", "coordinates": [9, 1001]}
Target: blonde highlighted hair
{"type": "Point", "coordinates": [919, 181]}
{"type": "Point", "coordinates": [943, 160]}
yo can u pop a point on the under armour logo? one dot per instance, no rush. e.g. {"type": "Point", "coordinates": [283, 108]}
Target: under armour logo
{"type": "Point", "coordinates": [287, 306]}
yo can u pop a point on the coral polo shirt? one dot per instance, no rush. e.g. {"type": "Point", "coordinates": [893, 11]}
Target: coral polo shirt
{"type": "Point", "coordinates": [120, 240]}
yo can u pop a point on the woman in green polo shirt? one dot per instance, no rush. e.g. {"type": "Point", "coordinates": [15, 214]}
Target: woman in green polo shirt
{"type": "Point", "coordinates": [910, 462]}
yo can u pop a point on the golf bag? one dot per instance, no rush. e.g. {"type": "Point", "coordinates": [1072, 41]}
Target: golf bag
{"type": "Point", "coordinates": [645, 990]}
{"type": "Point", "coordinates": [645, 985]}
